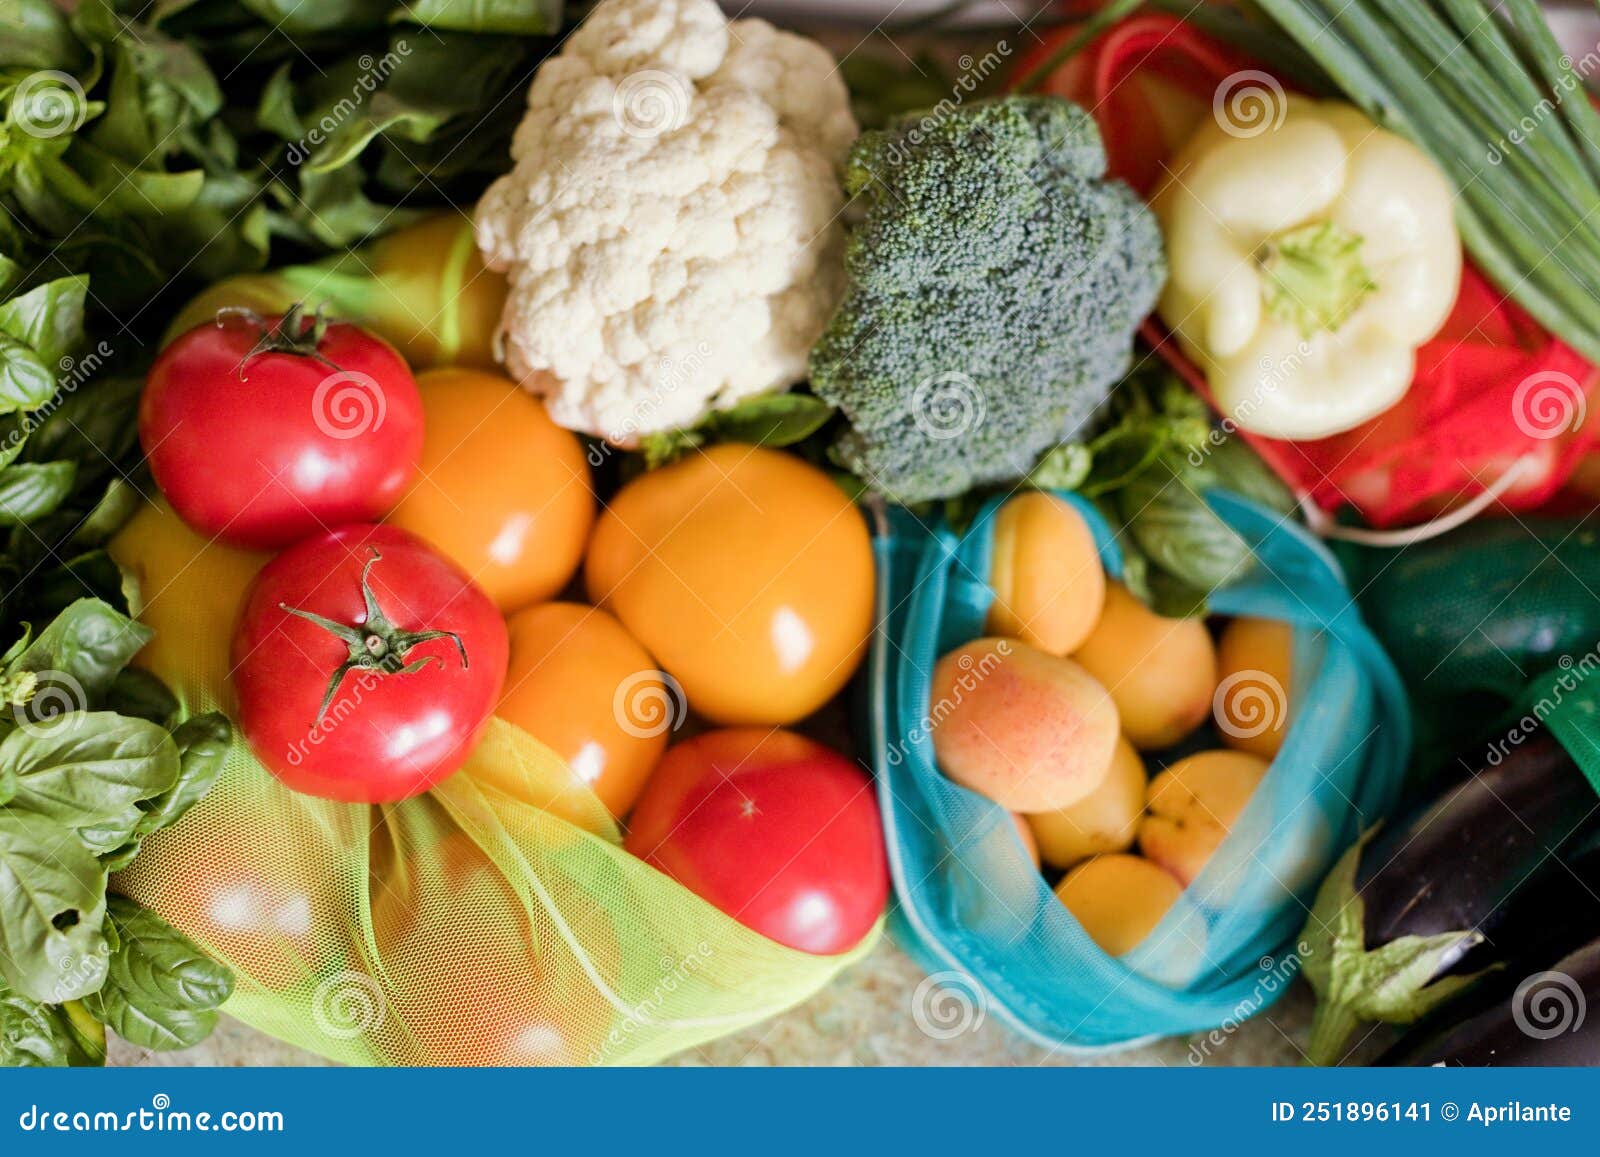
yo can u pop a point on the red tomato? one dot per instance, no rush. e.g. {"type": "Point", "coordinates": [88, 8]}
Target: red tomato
{"type": "Point", "coordinates": [365, 665]}
{"type": "Point", "coordinates": [779, 832]}
{"type": "Point", "coordinates": [261, 440]}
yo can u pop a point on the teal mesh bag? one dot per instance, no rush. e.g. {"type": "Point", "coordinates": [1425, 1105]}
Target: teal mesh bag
{"type": "Point", "coordinates": [968, 900]}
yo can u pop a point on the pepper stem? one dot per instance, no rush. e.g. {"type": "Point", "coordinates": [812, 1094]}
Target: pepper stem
{"type": "Point", "coordinates": [1313, 277]}
{"type": "Point", "coordinates": [375, 644]}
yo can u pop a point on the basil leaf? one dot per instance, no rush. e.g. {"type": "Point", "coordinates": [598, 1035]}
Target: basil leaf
{"type": "Point", "coordinates": [275, 111]}
{"type": "Point", "coordinates": [38, 35]}
{"type": "Point", "coordinates": [31, 1034]}
{"type": "Point", "coordinates": [512, 17]}
{"type": "Point", "coordinates": [138, 693]}
{"type": "Point", "coordinates": [38, 1035]}
{"type": "Point", "coordinates": [663, 448]}
{"type": "Point", "coordinates": [31, 490]}
{"type": "Point", "coordinates": [203, 743]}
{"type": "Point", "coordinates": [134, 191]}
{"type": "Point", "coordinates": [117, 503]}
{"type": "Point", "coordinates": [295, 18]}
{"type": "Point", "coordinates": [14, 652]}
{"type": "Point", "coordinates": [775, 420]}
{"type": "Point", "coordinates": [89, 771]}
{"type": "Point", "coordinates": [1171, 597]}
{"type": "Point", "coordinates": [52, 908]}
{"type": "Point", "coordinates": [87, 643]}
{"type": "Point", "coordinates": [26, 383]}
{"type": "Point", "coordinates": [93, 426]}
{"type": "Point", "coordinates": [91, 576]}
{"type": "Point", "coordinates": [161, 991]}
{"type": "Point", "coordinates": [1233, 466]}
{"type": "Point", "coordinates": [383, 112]}
{"type": "Point", "coordinates": [1179, 533]}
{"type": "Point", "coordinates": [47, 319]}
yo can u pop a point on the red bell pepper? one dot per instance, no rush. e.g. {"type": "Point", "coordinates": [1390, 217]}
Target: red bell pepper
{"type": "Point", "coordinates": [1491, 390]}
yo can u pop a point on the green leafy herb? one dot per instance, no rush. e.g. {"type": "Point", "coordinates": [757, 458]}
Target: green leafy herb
{"type": "Point", "coordinates": [160, 992]}
{"type": "Point", "coordinates": [775, 420]}
{"type": "Point", "coordinates": [87, 645]}
{"type": "Point", "coordinates": [34, 1034]}
{"type": "Point", "coordinates": [88, 770]}
{"type": "Point", "coordinates": [161, 146]}
{"type": "Point", "coordinates": [52, 908]}
{"type": "Point", "coordinates": [1148, 467]}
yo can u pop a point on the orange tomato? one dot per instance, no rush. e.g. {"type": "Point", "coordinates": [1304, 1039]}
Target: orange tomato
{"type": "Point", "coordinates": [502, 490]}
{"type": "Point", "coordinates": [188, 590]}
{"type": "Point", "coordinates": [582, 686]}
{"type": "Point", "coordinates": [748, 575]}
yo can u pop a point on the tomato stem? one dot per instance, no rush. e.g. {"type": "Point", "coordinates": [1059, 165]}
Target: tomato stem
{"type": "Point", "coordinates": [375, 644]}
{"type": "Point", "coordinates": [293, 333]}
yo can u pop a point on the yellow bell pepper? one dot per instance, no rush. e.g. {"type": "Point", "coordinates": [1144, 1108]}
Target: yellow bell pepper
{"type": "Point", "coordinates": [1308, 261]}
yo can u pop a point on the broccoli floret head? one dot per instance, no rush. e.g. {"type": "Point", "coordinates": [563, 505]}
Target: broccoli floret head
{"type": "Point", "coordinates": [995, 282]}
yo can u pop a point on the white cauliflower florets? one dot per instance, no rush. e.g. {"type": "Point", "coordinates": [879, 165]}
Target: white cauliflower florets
{"type": "Point", "coordinates": [671, 226]}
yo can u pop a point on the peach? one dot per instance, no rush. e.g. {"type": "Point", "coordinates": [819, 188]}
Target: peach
{"type": "Point", "coordinates": [1193, 804]}
{"type": "Point", "coordinates": [1046, 575]}
{"type": "Point", "coordinates": [1161, 672]}
{"type": "Point", "coordinates": [1251, 704]}
{"type": "Point", "coordinates": [1030, 730]}
{"type": "Point", "coordinates": [1119, 899]}
{"type": "Point", "coordinates": [1105, 820]}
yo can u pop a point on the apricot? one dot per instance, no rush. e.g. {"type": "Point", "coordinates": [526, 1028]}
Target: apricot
{"type": "Point", "coordinates": [1105, 820]}
{"type": "Point", "coordinates": [1192, 806]}
{"type": "Point", "coordinates": [1030, 730]}
{"type": "Point", "coordinates": [1048, 583]}
{"type": "Point", "coordinates": [1251, 704]}
{"type": "Point", "coordinates": [1161, 672]}
{"type": "Point", "coordinates": [1119, 899]}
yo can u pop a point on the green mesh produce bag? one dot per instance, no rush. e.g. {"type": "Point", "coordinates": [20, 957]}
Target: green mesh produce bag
{"type": "Point", "coordinates": [493, 920]}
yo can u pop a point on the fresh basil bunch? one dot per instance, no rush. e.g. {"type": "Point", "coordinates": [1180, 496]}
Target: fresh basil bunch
{"type": "Point", "coordinates": [92, 762]}
{"type": "Point", "coordinates": [69, 460]}
{"type": "Point", "coordinates": [164, 146]}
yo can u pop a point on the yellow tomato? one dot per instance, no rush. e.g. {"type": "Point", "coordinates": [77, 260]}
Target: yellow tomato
{"type": "Point", "coordinates": [188, 591]}
{"type": "Point", "coordinates": [582, 686]}
{"type": "Point", "coordinates": [501, 488]}
{"type": "Point", "coordinates": [748, 575]}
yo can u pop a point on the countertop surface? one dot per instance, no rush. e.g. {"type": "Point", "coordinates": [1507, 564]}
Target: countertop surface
{"type": "Point", "coordinates": [866, 1018]}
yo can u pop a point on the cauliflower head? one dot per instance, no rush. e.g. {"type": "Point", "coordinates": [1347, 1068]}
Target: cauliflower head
{"type": "Point", "coordinates": [671, 227]}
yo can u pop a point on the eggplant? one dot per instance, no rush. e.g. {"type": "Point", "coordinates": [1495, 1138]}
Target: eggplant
{"type": "Point", "coordinates": [1413, 913]}
{"type": "Point", "coordinates": [1538, 1019]}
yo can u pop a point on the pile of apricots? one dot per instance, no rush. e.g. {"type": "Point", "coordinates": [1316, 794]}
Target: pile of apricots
{"type": "Point", "coordinates": [1055, 712]}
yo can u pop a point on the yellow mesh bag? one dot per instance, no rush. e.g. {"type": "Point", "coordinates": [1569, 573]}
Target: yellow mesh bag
{"type": "Point", "coordinates": [493, 920]}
